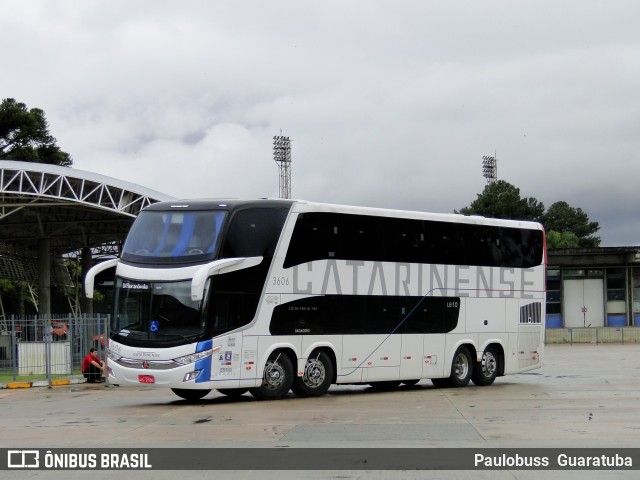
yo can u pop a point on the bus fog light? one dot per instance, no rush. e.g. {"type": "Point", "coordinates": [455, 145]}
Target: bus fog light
{"type": "Point", "coordinates": [192, 375]}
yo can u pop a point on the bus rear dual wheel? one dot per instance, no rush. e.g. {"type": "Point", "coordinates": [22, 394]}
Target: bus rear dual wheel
{"type": "Point", "coordinates": [279, 377]}
{"type": "Point", "coordinates": [316, 377]}
{"type": "Point", "coordinates": [485, 372]}
{"type": "Point", "coordinates": [463, 369]}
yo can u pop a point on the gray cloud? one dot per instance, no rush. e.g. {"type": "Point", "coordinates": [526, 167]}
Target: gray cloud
{"type": "Point", "coordinates": [389, 104]}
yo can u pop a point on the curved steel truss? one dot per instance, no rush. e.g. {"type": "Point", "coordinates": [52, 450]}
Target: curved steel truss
{"type": "Point", "coordinates": [32, 181]}
{"type": "Point", "coordinates": [70, 208]}
{"type": "Point", "coordinates": [49, 214]}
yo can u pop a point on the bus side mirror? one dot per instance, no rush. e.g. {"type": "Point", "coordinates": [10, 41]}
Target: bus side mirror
{"type": "Point", "coordinates": [217, 267]}
{"type": "Point", "coordinates": [95, 270]}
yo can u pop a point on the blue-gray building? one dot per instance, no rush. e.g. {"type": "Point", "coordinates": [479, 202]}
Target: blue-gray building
{"type": "Point", "coordinates": [593, 287]}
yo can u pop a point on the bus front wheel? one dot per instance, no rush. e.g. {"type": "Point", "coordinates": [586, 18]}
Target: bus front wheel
{"type": "Point", "coordinates": [486, 371]}
{"type": "Point", "coordinates": [277, 378]}
{"type": "Point", "coordinates": [189, 394]}
{"type": "Point", "coordinates": [317, 376]}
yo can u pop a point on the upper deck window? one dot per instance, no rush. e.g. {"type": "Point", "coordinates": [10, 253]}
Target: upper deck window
{"type": "Point", "coordinates": [174, 236]}
{"type": "Point", "coordinates": [330, 236]}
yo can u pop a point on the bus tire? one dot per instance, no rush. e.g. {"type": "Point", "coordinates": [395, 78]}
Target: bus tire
{"type": "Point", "coordinates": [486, 371]}
{"type": "Point", "coordinates": [317, 376]}
{"type": "Point", "coordinates": [461, 368]}
{"type": "Point", "coordinates": [189, 394]}
{"type": "Point", "coordinates": [233, 392]}
{"type": "Point", "coordinates": [277, 378]}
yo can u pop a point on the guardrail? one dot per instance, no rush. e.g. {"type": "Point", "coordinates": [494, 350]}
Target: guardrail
{"type": "Point", "coordinates": [35, 348]}
{"type": "Point", "coordinates": [623, 335]}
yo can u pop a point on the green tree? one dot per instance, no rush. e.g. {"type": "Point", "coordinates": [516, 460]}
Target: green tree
{"type": "Point", "coordinates": [502, 200]}
{"type": "Point", "coordinates": [24, 135]}
{"type": "Point", "coordinates": [562, 240]}
{"type": "Point", "coordinates": [562, 218]}
{"type": "Point", "coordinates": [566, 226]}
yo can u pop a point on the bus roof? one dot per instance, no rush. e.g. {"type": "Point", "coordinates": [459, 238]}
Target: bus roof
{"type": "Point", "coordinates": [300, 206]}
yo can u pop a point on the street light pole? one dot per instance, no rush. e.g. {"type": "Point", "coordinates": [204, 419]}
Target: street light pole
{"type": "Point", "coordinates": [490, 168]}
{"type": "Point", "coordinates": [282, 156]}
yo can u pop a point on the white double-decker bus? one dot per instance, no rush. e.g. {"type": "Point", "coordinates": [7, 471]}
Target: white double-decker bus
{"type": "Point", "coordinates": [269, 296]}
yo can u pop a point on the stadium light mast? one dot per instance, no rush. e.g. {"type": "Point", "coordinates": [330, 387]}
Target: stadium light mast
{"type": "Point", "coordinates": [282, 156]}
{"type": "Point", "coordinates": [490, 168]}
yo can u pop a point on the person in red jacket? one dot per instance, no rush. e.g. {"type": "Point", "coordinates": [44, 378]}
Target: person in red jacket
{"type": "Point", "coordinates": [92, 367]}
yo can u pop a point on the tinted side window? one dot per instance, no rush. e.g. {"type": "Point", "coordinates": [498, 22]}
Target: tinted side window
{"type": "Point", "coordinates": [404, 240]}
{"type": "Point", "coordinates": [502, 247]}
{"type": "Point", "coordinates": [361, 314]}
{"type": "Point", "coordinates": [321, 236]}
{"type": "Point", "coordinates": [315, 237]}
{"type": "Point", "coordinates": [532, 247]}
{"type": "Point", "coordinates": [482, 245]}
{"type": "Point", "coordinates": [254, 232]}
{"type": "Point", "coordinates": [360, 238]}
{"type": "Point", "coordinates": [234, 297]}
{"type": "Point", "coordinates": [444, 243]}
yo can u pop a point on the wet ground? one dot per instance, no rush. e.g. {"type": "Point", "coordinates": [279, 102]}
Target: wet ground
{"type": "Point", "coordinates": [585, 396]}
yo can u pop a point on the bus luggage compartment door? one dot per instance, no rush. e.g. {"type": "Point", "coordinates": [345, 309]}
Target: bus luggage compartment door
{"type": "Point", "coordinates": [377, 355]}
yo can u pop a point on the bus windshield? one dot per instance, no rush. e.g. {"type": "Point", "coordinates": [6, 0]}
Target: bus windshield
{"type": "Point", "coordinates": [158, 311]}
{"type": "Point", "coordinates": [174, 236]}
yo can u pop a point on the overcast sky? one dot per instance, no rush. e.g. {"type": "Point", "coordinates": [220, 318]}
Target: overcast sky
{"type": "Point", "coordinates": [388, 103]}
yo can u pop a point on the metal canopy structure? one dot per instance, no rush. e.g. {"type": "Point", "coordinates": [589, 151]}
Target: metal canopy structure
{"type": "Point", "coordinates": [47, 211]}
{"type": "Point", "coordinates": [72, 208]}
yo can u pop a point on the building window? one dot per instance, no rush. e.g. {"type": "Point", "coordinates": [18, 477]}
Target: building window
{"type": "Point", "coordinates": [554, 297]}
{"type": "Point", "coordinates": [615, 285]}
{"type": "Point", "coordinates": [636, 290]}
{"type": "Point", "coordinates": [616, 297]}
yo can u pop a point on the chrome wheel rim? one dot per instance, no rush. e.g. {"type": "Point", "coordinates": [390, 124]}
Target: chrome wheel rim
{"type": "Point", "coordinates": [314, 373]}
{"type": "Point", "coordinates": [273, 375]}
{"type": "Point", "coordinates": [489, 364]}
{"type": "Point", "coordinates": [461, 366]}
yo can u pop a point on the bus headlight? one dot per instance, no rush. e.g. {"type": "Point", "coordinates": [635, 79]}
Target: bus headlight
{"type": "Point", "coordinates": [194, 357]}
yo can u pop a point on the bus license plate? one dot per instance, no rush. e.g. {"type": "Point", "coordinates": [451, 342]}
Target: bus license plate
{"type": "Point", "coordinates": [146, 379]}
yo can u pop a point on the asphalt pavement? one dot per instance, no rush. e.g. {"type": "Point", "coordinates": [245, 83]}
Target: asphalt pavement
{"type": "Point", "coordinates": [585, 396]}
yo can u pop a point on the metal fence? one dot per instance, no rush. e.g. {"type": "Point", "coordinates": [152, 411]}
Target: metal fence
{"type": "Point", "coordinates": [42, 348]}
{"type": "Point", "coordinates": [593, 335]}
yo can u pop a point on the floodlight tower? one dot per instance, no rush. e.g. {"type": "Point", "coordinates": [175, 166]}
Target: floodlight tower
{"type": "Point", "coordinates": [490, 168]}
{"type": "Point", "coordinates": [282, 156]}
